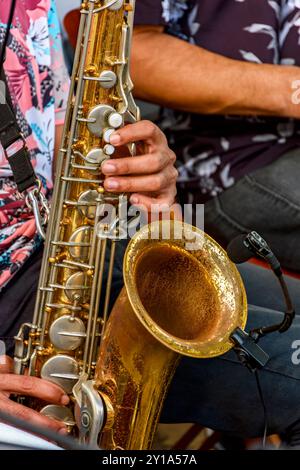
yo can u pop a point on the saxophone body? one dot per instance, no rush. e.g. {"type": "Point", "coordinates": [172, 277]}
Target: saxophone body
{"type": "Point", "coordinates": [177, 300]}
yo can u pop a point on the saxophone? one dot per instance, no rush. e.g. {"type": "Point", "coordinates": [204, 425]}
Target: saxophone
{"type": "Point", "coordinates": [181, 295]}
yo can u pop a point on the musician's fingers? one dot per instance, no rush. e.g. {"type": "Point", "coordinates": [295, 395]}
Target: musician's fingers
{"type": "Point", "coordinates": [163, 204]}
{"type": "Point", "coordinates": [34, 387]}
{"type": "Point", "coordinates": [29, 415]}
{"type": "Point", "coordinates": [160, 211]}
{"type": "Point", "coordinates": [145, 164]}
{"type": "Point", "coordinates": [144, 131]}
{"type": "Point", "coordinates": [142, 184]}
{"type": "Point", "coordinates": [6, 365]}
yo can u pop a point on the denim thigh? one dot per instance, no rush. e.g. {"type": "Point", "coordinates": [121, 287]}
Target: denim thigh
{"type": "Point", "coordinates": [267, 201]}
{"type": "Point", "coordinates": [221, 394]}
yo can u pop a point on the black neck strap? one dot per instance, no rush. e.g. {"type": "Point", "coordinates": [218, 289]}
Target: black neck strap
{"type": "Point", "coordinates": [15, 148]}
{"type": "Point", "coordinates": [12, 140]}
{"type": "Point", "coordinates": [11, 136]}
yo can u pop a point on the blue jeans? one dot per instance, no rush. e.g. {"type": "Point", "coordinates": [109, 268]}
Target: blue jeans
{"type": "Point", "coordinates": [268, 201]}
{"type": "Point", "coordinates": [218, 393]}
{"type": "Point", "coordinates": [222, 394]}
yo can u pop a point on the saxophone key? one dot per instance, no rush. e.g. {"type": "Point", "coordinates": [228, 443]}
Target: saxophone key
{"type": "Point", "coordinates": [81, 238]}
{"type": "Point", "coordinates": [62, 370]}
{"type": "Point", "coordinates": [116, 5]}
{"type": "Point", "coordinates": [87, 203]}
{"type": "Point", "coordinates": [67, 333]}
{"type": "Point", "coordinates": [107, 134]}
{"type": "Point", "coordinates": [76, 287]}
{"type": "Point", "coordinates": [60, 413]}
{"type": "Point", "coordinates": [99, 119]}
{"type": "Point", "coordinates": [96, 156]}
{"type": "Point", "coordinates": [109, 150]}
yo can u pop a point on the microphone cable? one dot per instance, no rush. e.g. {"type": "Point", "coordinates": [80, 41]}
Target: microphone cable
{"type": "Point", "coordinates": [240, 250]}
{"type": "Point", "coordinates": [264, 407]}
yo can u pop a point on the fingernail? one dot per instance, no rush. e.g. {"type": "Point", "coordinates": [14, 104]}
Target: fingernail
{"type": "Point", "coordinates": [115, 139]}
{"type": "Point", "coordinates": [112, 184]}
{"type": "Point", "coordinates": [65, 399]}
{"type": "Point", "coordinates": [63, 431]}
{"type": "Point", "coordinates": [109, 168]}
{"type": "Point", "coordinates": [134, 200]}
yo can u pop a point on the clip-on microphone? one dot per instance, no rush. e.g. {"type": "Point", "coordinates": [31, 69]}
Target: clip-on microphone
{"type": "Point", "coordinates": [240, 250]}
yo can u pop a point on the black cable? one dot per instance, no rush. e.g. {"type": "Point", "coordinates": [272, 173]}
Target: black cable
{"type": "Point", "coordinates": [65, 442]}
{"type": "Point", "coordinates": [263, 403]}
{"type": "Point", "coordinates": [9, 23]}
{"type": "Point", "coordinates": [289, 314]}
{"type": "Point", "coordinates": [239, 250]}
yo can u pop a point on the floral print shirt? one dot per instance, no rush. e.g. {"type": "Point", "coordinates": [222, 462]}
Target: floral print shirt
{"type": "Point", "coordinates": [215, 151]}
{"type": "Point", "coordinates": [38, 84]}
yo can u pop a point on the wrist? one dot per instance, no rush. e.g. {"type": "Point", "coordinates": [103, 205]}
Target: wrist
{"type": "Point", "coordinates": [292, 95]}
{"type": "Point", "coordinates": [282, 91]}
{"type": "Point", "coordinates": [264, 90]}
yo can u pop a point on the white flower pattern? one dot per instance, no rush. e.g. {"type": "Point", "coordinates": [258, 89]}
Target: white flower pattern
{"type": "Point", "coordinates": [38, 83]}
{"type": "Point", "coordinates": [173, 10]}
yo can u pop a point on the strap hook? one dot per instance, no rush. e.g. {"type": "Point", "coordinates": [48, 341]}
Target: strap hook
{"type": "Point", "coordinates": [36, 201]}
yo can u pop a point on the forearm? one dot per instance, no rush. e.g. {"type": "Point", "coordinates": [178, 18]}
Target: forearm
{"type": "Point", "coordinates": [187, 77]}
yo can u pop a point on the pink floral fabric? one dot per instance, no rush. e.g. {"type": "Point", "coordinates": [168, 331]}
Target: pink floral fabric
{"type": "Point", "coordinates": [38, 83]}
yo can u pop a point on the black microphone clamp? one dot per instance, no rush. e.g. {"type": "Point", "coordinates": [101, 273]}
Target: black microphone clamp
{"type": "Point", "coordinates": [255, 243]}
{"type": "Point", "coordinates": [249, 353]}
{"type": "Point", "coordinates": [240, 250]}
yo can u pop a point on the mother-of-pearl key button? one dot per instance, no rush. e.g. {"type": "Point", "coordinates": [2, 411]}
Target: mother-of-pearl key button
{"type": "Point", "coordinates": [107, 134]}
{"type": "Point", "coordinates": [108, 79]}
{"type": "Point", "coordinates": [115, 120]}
{"type": "Point", "coordinates": [117, 5]}
{"type": "Point", "coordinates": [109, 149]}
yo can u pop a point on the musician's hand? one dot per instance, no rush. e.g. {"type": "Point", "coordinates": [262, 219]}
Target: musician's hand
{"type": "Point", "coordinates": [33, 387]}
{"type": "Point", "coordinates": [150, 177]}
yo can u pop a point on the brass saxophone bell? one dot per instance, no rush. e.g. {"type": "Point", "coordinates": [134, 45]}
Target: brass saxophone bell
{"type": "Point", "coordinates": [184, 289]}
{"type": "Point", "coordinates": [182, 296]}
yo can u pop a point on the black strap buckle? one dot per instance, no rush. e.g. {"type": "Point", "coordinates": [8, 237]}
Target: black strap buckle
{"type": "Point", "coordinates": [21, 139]}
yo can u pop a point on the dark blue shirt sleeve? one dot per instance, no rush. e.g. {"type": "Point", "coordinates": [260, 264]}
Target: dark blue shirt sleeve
{"type": "Point", "coordinates": [149, 12]}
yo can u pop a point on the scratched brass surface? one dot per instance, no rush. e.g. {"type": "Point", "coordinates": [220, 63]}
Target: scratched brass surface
{"type": "Point", "coordinates": [175, 302]}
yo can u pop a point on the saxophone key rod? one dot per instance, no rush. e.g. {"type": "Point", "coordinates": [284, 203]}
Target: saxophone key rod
{"type": "Point", "coordinates": [70, 288]}
{"type": "Point", "coordinates": [93, 346]}
{"type": "Point", "coordinates": [75, 166]}
{"type": "Point", "coordinates": [80, 203]}
{"type": "Point", "coordinates": [74, 264]}
{"type": "Point", "coordinates": [65, 306]}
{"type": "Point", "coordinates": [81, 180]}
{"type": "Point", "coordinates": [95, 301]}
{"type": "Point", "coordinates": [71, 244]}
